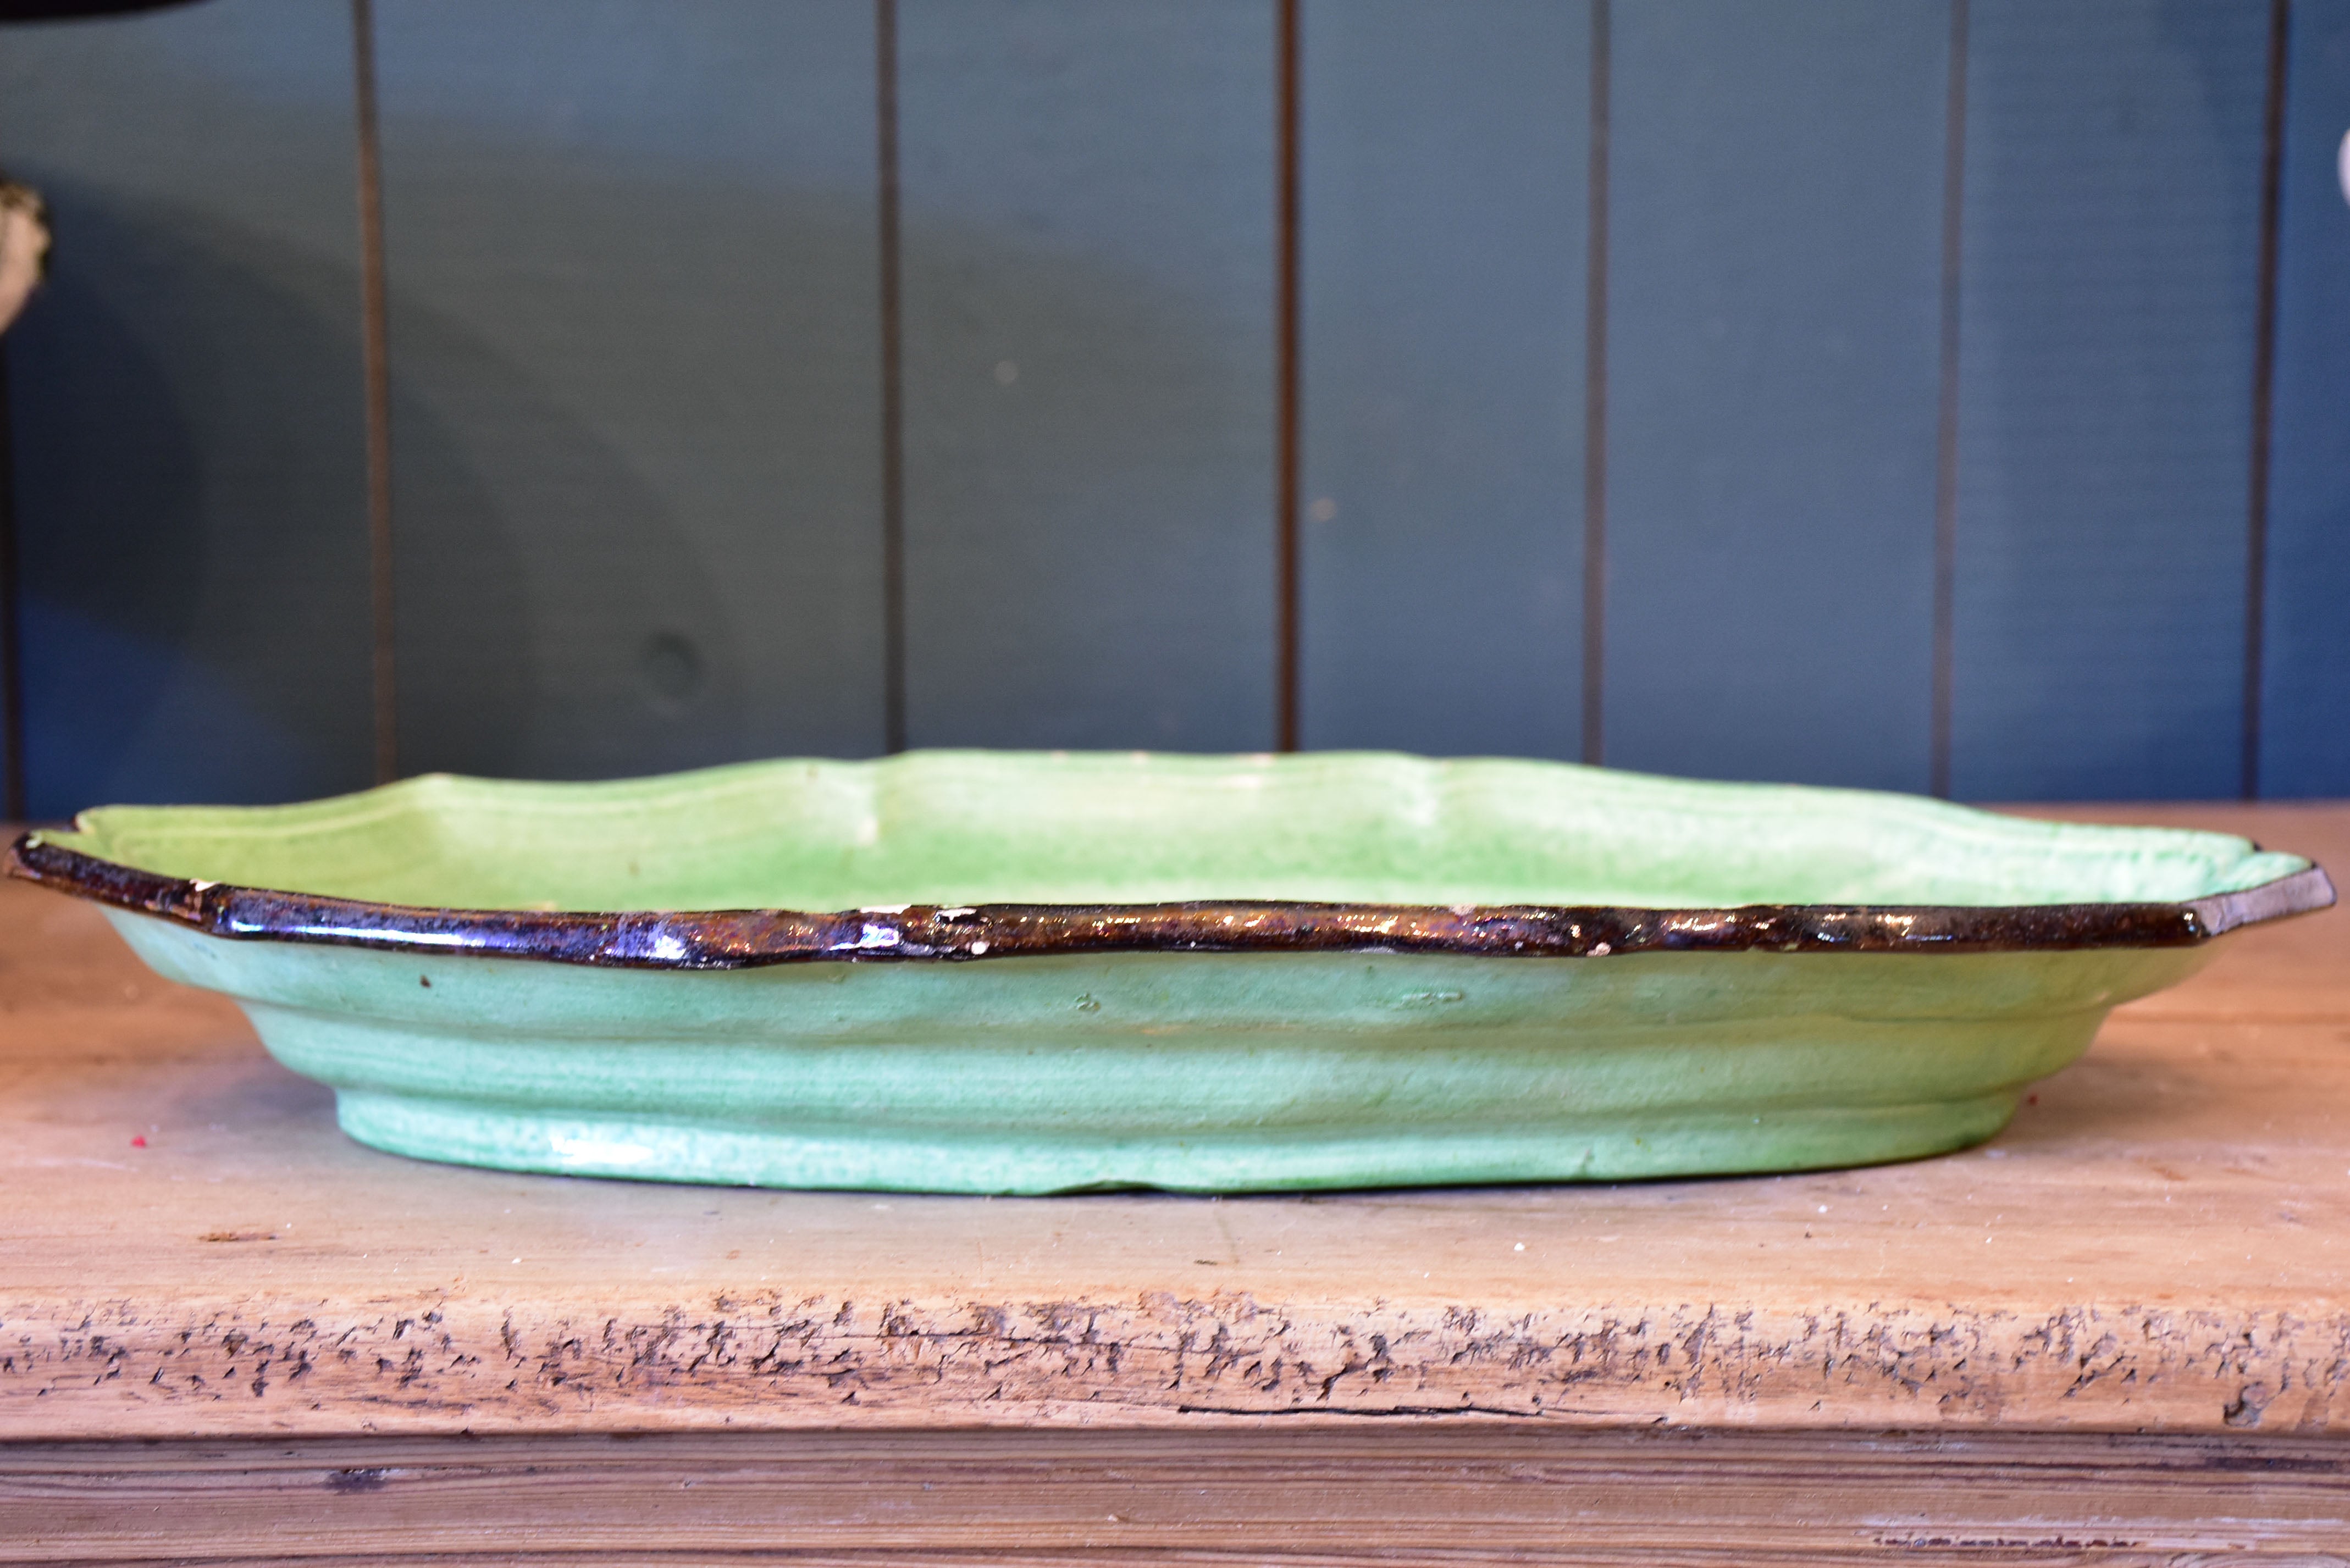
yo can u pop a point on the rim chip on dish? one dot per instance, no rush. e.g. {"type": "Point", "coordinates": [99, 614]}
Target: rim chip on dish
{"type": "Point", "coordinates": [1025, 972]}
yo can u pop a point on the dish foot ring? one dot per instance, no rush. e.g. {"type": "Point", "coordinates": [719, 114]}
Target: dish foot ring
{"type": "Point", "coordinates": [1012, 1162]}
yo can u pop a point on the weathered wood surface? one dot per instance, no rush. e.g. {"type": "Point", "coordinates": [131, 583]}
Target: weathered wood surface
{"type": "Point", "coordinates": [1396, 1495]}
{"type": "Point", "coordinates": [2156, 1245]}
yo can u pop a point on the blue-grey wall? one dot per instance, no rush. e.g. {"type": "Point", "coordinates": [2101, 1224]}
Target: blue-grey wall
{"type": "Point", "coordinates": [1886, 414]}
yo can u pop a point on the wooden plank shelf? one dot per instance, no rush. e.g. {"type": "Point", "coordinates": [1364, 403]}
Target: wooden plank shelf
{"type": "Point", "coordinates": [2141, 1289]}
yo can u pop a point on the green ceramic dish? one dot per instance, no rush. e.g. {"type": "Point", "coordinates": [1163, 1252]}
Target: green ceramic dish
{"type": "Point", "coordinates": [1066, 972]}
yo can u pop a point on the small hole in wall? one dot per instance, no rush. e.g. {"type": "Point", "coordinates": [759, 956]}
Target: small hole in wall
{"type": "Point", "coordinates": [671, 668]}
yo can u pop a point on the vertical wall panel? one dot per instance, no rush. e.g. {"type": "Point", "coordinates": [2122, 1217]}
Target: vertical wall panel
{"type": "Point", "coordinates": [1089, 203]}
{"type": "Point", "coordinates": [2305, 703]}
{"type": "Point", "coordinates": [636, 359]}
{"type": "Point", "coordinates": [1446, 155]}
{"type": "Point", "coordinates": [1774, 268]}
{"type": "Point", "coordinates": [2110, 288]}
{"type": "Point", "coordinates": [635, 381]}
{"type": "Point", "coordinates": [186, 407]}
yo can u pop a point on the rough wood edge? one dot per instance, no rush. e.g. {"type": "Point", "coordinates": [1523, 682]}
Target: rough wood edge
{"type": "Point", "coordinates": [93, 1368]}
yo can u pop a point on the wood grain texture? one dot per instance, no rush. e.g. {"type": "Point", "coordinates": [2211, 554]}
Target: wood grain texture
{"type": "Point", "coordinates": [185, 397]}
{"type": "Point", "coordinates": [1088, 207]}
{"type": "Point", "coordinates": [2160, 1242]}
{"type": "Point", "coordinates": [1400, 1493]}
{"type": "Point", "coordinates": [635, 367]}
{"type": "Point", "coordinates": [1445, 151]}
{"type": "Point", "coordinates": [2109, 295]}
{"type": "Point", "coordinates": [1774, 229]}
{"type": "Point", "coordinates": [2305, 665]}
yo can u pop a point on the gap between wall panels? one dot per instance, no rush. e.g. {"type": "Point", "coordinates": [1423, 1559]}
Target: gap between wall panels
{"type": "Point", "coordinates": [12, 638]}
{"type": "Point", "coordinates": [893, 398]}
{"type": "Point", "coordinates": [2264, 330]}
{"type": "Point", "coordinates": [1595, 403]}
{"type": "Point", "coordinates": [375, 359]}
{"type": "Point", "coordinates": [1946, 433]}
{"type": "Point", "coordinates": [1289, 412]}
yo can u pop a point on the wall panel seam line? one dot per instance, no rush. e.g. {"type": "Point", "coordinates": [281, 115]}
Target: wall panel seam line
{"type": "Point", "coordinates": [893, 385]}
{"type": "Point", "coordinates": [12, 637]}
{"type": "Point", "coordinates": [1289, 407]}
{"type": "Point", "coordinates": [375, 371]}
{"type": "Point", "coordinates": [1946, 423]}
{"type": "Point", "coordinates": [2264, 331]}
{"type": "Point", "coordinates": [1595, 401]}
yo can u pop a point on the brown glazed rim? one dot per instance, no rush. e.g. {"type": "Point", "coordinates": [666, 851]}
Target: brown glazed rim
{"type": "Point", "coordinates": [745, 938]}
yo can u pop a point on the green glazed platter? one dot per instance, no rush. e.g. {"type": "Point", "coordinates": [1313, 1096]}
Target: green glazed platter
{"type": "Point", "coordinates": [985, 971]}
